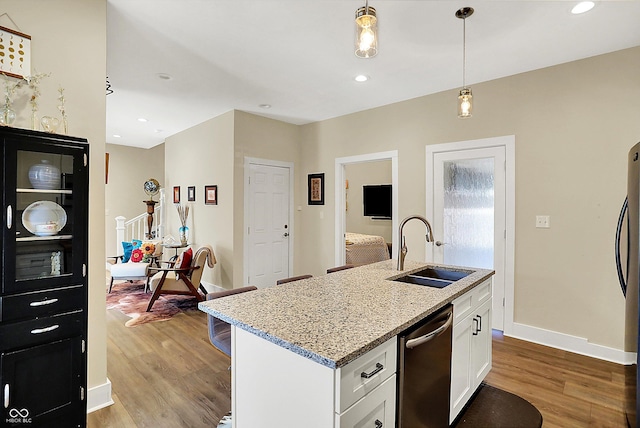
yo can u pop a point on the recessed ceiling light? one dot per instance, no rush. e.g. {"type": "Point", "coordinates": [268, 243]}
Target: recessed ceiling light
{"type": "Point", "coordinates": [265, 106]}
{"type": "Point", "coordinates": [164, 76]}
{"type": "Point", "coordinates": [142, 119]}
{"type": "Point", "coordinates": [582, 7]}
{"type": "Point", "coordinates": [361, 78]}
{"type": "Point", "coordinates": [117, 136]}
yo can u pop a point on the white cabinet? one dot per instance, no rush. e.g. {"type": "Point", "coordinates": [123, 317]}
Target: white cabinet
{"type": "Point", "coordinates": [471, 347]}
{"type": "Point", "coordinates": [272, 386]}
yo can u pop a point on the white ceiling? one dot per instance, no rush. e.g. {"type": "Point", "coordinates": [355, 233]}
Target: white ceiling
{"type": "Point", "coordinates": [297, 55]}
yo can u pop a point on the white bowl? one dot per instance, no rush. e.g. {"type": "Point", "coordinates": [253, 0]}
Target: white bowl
{"type": "Point", "coordinates": [47, 228]}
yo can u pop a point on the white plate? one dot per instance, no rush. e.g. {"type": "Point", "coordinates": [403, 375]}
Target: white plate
{"type": "Point", "coordinates": [43, 212]}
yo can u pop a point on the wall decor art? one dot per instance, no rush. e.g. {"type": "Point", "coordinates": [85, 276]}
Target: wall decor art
{"type": "Point", "coordinates": [316, 189]}
{"type": "Point", "coordinates": [211, 195]}
{"type": "Point", "coordinates": [15, 53]}
{"type": "Point", "coordinates": [176, 194]}
{"type": "Point", "coordinates": [191, 193]}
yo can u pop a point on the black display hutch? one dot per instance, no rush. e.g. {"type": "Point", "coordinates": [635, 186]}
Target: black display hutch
{"type": "Point", "coordinates": [43, 295]}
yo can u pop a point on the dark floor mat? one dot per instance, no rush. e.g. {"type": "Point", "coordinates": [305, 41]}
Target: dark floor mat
{"type": "Point", "coordinates": [495, 408]}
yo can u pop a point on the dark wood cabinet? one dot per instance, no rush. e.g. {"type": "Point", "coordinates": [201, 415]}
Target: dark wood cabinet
{"type": "Point", "coordinates": [43, 289]}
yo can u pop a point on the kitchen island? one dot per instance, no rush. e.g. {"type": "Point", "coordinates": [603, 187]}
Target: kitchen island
{"type": "Point", "coordinates": [293, 344]}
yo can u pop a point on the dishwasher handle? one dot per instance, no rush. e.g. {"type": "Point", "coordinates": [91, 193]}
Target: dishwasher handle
{"type": "Point", "coordinates": [429, 336]}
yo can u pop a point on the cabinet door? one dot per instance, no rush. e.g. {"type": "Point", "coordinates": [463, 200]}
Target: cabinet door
{"type": "Point", "coordinates": [45, 212]}
{"type": "Point", "coordinates": [42, 385]}
{"type": "Point", "coordinates": [481, 344]}
{"type": "Point", "coordinates": [461, 380]}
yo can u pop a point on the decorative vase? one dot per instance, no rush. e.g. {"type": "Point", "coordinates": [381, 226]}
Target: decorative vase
{"type": "Point", "coordinates": [50, 124]}
{"type": "Point", "coordinates": [35, 122]}
{"type": "Point", "coordinates": [7, 116]}
{"type": "Point", "coordinates": [184, 235]}
{"type": "Point", "coordinates": [44, 176]}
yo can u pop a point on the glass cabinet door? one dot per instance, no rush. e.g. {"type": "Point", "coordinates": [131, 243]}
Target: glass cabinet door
{"type": "Point", "coordinates": [43, 215]}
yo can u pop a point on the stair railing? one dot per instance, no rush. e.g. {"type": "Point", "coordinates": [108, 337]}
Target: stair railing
{"type": "Point", "coordinates": [136, 228]}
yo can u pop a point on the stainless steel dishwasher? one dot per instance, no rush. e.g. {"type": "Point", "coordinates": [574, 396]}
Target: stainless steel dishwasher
{"type": "Point", "coordinates": [424, 372]}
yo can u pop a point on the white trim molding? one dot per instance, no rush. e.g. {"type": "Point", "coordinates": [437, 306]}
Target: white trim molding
{"type": "Point", "coordinates": [99, 397]}
{"type": "Point", "coordinates": [567, 342]}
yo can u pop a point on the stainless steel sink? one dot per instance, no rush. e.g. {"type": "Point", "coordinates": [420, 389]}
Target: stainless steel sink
{"type": "Point", "coordinates": [433, 277]}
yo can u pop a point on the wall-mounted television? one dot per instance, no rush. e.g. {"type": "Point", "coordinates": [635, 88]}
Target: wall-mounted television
{"type": "Point", "coordinates": [377, 201]}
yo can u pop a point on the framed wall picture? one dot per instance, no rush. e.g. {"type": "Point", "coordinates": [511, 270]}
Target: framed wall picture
{"type": "Point", "coordinates": [211, 195]}
{"type": "Point", "coordinates": [191, 193]}
{"type": "Point", "coordinates": [176, 194]}
{"type": "Point", "coordinates": [15, 48]}
{"type": "Point", "coordinates": [316, 189]}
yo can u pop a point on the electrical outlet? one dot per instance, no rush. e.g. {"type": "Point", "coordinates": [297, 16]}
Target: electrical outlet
{"type": "Point", "coordinates": [543, 221]}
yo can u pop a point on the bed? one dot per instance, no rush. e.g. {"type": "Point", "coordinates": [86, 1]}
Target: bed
{"type": "Point", "coordinates": [364, 249]}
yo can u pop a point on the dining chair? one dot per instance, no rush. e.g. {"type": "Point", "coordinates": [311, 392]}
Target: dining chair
{"type": "Point", "coordinates": [293, 278]}
{"type": "Point", "coordinates": [339, 268]}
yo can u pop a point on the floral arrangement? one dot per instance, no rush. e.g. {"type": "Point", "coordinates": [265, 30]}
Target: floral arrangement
{"type": "Point", "coordinates": [183, 214]}
{"type": "Point", "coordinates": [34, 84]}
{"type": "Point", "coordinates": [10, 88]}
{"type": "Point", "coordinates": [62, 110]}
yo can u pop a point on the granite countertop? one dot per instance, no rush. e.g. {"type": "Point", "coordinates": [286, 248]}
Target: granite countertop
{"type": "Point", "coordinates": [335, 318]}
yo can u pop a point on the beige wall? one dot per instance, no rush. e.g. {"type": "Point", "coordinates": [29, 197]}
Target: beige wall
{"type": "Point", "coordinates": [215, 155]}
{"type": "Point", "coordinates": [77, 63]}
{"type": "Point", "coordinates": [358, 175]}
{"type": "Point", "coordinates": [259, 137]}
{"type": "Point", "coordinates": [199, 156]}
{"type": "Point", "coordinates": [573, 124]}
{"type": "Point", "coordinates": [129, 168]}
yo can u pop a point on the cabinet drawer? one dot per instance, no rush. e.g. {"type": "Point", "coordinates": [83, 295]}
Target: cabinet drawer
{"type": "Point", "coordinates": [377, 409]}
{"type": "Point", "coordinates": [465, 304]}
{"type": "Point", "coordinates": [46, 329]}
{"type": "Point", "coordinates": [351, 381]}
{"type": "Point", "coordinates": [41, 303]}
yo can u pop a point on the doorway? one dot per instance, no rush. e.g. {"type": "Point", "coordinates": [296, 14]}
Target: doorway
{"type": "Point", "coordinates": [269, 221]}
{"type": "Point", "coordinates": [471, 199]}
{"type": "Point", "coordinates": [341, 200]}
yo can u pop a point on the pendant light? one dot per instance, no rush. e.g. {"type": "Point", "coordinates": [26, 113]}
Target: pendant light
{"type": "Point", "coordinates": [366, 32]}
{"type": "Point", "coordinates": [465, 98]}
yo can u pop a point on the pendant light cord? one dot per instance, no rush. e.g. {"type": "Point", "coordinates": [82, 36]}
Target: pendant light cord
{"type": "Point", "coordinates": [464, 51]}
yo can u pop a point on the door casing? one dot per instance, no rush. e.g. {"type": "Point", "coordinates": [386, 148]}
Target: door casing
{"type": "Point", "coordinates": [508, 142]}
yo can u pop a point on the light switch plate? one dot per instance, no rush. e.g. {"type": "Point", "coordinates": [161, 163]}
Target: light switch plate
{"type": "Point", "coordinates": [543, 221]}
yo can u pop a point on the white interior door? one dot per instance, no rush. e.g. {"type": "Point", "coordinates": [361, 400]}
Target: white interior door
{"type": "Point", "coordinates": [469, 213]}
{"type": "Point", "coordinates": [269, 228]}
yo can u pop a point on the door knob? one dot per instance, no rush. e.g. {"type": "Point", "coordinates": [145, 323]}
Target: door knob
{"type": "Point", "coordinates": [439, 243]}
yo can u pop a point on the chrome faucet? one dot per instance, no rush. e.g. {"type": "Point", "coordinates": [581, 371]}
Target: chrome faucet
{"type": "Point", "coordinates": [402, 249]}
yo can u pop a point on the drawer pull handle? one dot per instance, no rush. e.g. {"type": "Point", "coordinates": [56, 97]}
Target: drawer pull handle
{"type": "Point", "coordinates": [377, 370]}
{"type": "Point", "coordinates": [475, 326]}
{"type": "Point", "coordinates": [479, 322]}
{"type": "Point", "coordinates": [378, 423]}
{"type": "Point", "coordinates": [43, 302]}
{"type": "Point", "coordinates": [44, 330]}
{"type": "Point", "coordinates": [9, 217]}
{"type": "Point", "coordinates": [6, 395]}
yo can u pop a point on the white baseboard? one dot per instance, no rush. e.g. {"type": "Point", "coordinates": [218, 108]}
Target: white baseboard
{"type": "Point", "coordinates": [566, 342]}
{"type": "Point", "coordinates": [99, 397]}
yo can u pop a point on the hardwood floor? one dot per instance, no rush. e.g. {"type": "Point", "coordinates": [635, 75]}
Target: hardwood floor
{"type": "Point", "coordinates": [164, 374]}
{"type": "Point", "coordinates": [167, 374]}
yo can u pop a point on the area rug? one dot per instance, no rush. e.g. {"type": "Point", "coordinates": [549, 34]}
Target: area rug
{"type": "Point", "coordinates": [130, 299]}
{"type": "Point", "coordinates": [495, 408]}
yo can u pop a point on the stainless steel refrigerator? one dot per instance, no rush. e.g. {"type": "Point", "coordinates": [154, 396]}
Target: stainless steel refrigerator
{"type": "Point", "coordinates": [629, 276]}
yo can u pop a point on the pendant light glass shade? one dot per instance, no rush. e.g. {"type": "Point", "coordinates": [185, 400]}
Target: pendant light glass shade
{"type": "Point", "coordinates": [465, 104]}
{"type": "Point", "coordinates": [366, 32]}
{"type": "Point", "coordinates": [465, 98]}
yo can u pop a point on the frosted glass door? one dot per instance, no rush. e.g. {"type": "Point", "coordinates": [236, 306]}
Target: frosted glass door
{"type": "Point", "coordinates": [468, 223]}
